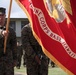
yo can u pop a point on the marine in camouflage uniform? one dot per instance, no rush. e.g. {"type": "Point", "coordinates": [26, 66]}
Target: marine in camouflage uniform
{"type": "Point", "coordinates": [7, 59]}
{"type": "Point", "coordinates": [19, 54]}
{"type": "Point", "coordinates": [36, 61]}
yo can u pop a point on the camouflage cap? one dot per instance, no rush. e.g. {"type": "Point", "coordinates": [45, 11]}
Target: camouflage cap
{"type": "Point", "coordinates": [2, 10]}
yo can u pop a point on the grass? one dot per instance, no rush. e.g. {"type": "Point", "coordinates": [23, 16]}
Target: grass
{"type": "Point", "coordinates": [56, 71]}
{"type": "Point", "coordinates": [51, 71]}
{"type": "Point", "coordinates": [22, 69]}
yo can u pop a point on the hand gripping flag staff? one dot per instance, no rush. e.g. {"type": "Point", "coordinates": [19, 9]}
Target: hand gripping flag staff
{"type": "Point", "coordinates": [7, 25]}
{"type": "Point", "coordinates": [54, 31]}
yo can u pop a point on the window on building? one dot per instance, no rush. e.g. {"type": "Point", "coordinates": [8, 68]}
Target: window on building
{"type": "Point", "coordinates": [23, 23]}
{"type": "Point", "coordinates": [13, 25]}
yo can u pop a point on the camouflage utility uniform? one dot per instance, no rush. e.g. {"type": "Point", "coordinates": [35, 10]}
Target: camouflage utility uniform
{"type": "Point", "coordinates": [33, 49]}
{"type": "Point", "coordinates": [8, 59]}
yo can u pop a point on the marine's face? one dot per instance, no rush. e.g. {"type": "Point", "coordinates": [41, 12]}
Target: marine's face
{"type": "Point", "coordinates": [2, 19]}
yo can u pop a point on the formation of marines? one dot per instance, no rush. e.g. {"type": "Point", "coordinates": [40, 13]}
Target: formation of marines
{"type": "Point", "coordinates": [33, 57]}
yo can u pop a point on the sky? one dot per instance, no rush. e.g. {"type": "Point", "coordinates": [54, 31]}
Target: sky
{"type": "Point", "coordinates": [16, 11]}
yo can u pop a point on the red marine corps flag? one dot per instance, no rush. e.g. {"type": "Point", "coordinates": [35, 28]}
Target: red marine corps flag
{"type": "Point", "coordinates": [53, 30]}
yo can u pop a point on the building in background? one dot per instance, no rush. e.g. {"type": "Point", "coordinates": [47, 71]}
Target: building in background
{"type": "Point", "coordinates": [17, 24]}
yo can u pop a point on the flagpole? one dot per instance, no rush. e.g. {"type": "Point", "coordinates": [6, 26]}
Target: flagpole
{"type": "Point", "coordinates": [7, 25]}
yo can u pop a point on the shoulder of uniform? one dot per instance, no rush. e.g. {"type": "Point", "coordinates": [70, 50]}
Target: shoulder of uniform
{"type": "Point", "coordinates": [26, 26]}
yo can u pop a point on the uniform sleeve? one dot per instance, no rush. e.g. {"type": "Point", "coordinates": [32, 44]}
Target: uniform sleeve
{"type": "Point", "coordinates": [26, 43]}
{"type": "Point", "coordinates": [14, 45]}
